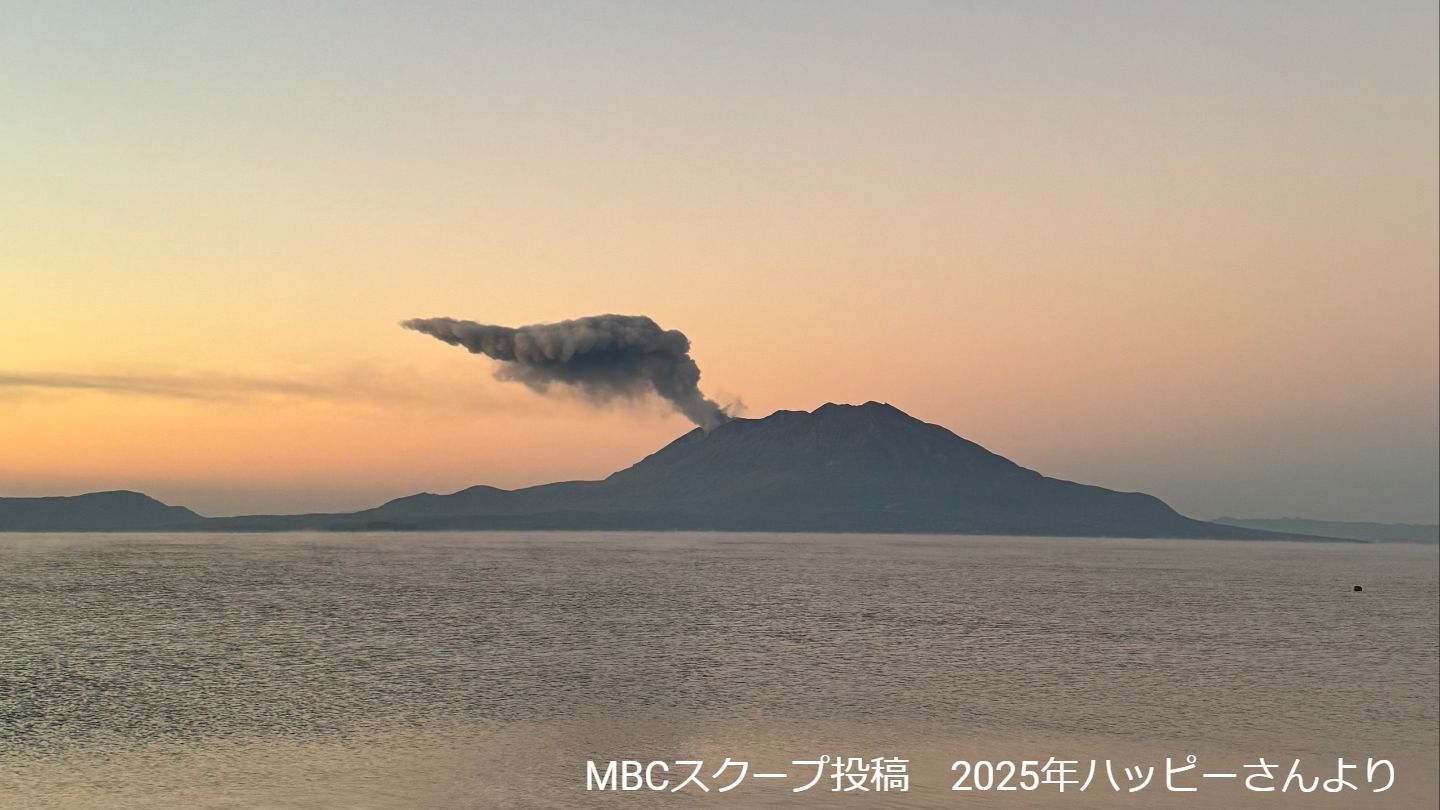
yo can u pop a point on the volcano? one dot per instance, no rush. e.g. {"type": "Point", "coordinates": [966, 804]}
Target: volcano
{"type": "Point", "coordinates": [839, 468]}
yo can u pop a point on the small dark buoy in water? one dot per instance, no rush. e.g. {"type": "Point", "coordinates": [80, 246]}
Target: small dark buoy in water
{"type": "Point", "coordinates": [1358, 589]}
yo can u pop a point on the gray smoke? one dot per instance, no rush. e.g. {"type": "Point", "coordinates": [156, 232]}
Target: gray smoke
{"type": "Point", "coordinates": [606, 357]}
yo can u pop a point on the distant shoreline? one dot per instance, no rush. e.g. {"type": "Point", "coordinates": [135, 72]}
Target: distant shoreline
{"type": "Point", "coordinates": [376, 530]}
{"type": "Point", "coordinates": [845, 469]}
{"type": "Point", "coordinates": [1368, 532]}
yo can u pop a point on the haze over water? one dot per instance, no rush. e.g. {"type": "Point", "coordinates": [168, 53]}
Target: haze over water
{"type": "Point", "coordinates": [481, 670]}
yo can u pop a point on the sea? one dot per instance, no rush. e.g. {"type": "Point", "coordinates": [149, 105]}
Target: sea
{"type": "Point", "coordinates": [457, 670]}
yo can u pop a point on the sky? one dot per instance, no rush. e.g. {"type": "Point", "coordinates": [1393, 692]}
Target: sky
{"type": "Point", "coordinates": [1189, 249]}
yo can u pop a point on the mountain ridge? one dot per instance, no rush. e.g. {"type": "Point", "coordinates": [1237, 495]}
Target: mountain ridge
{"type": "Point", "coordinates": [92, 511]}
{"type": "Point", "coordinates": [839, 468]}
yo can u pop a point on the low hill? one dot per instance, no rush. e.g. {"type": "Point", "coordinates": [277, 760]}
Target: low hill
{"type": "Point", "coordinates": [1370, 532]}
{"type": "Point", "coordinates": [119, 510]}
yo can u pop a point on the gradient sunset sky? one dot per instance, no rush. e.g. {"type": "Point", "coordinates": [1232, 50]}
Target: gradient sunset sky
{"type": "Point", "coordinates": [1183, 248]}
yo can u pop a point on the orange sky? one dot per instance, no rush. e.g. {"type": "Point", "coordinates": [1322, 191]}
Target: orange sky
{"type": "Point", "coordinates": [1191, 251]}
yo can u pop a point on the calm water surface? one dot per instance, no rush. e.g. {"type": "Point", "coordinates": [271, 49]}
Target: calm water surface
{"type": "Point", "coordinates": [481, 670]}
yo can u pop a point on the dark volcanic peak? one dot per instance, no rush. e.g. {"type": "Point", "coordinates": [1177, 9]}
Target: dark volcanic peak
{"type": "Point", "coordinates": [835, 445]}
{"type": "Point", "coordinates": [867, 467]}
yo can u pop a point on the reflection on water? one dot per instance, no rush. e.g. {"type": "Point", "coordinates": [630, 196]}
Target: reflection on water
{"type": "Point", "coordinates": [482, 670]}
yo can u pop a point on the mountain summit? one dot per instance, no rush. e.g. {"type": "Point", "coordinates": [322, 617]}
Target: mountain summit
{"type": "Point", "coordinates": [868, 467]}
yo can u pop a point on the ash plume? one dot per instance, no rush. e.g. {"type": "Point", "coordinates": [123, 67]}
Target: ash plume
{"type": "Point", "coordinates": [605, 357]}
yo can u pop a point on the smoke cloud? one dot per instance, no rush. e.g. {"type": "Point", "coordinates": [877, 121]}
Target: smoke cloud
{"type": "Point", "coordinates": [605, 357]}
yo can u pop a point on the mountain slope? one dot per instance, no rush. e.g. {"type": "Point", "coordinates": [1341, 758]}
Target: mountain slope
{"type": "Point", "coordinates": [119, 510]}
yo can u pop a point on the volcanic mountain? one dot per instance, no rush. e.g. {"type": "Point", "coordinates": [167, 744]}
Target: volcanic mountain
{"type": "Point", "coordinates": [839, 468]}
{"type": "Point", "coordinates": [869, 468]}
